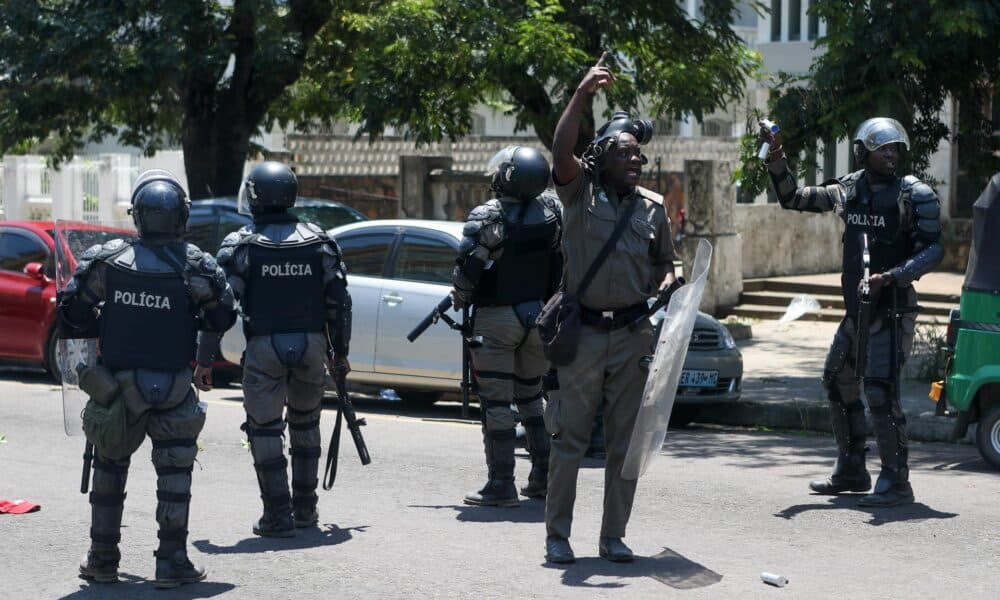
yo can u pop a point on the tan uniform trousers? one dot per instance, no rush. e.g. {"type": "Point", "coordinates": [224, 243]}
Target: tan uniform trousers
{"type": "Point", "coordinates": [509, 367]}
{"type": "Point", "coordinates": [606, 368]}
{"type": "Point", "coordinates": [268, 386]}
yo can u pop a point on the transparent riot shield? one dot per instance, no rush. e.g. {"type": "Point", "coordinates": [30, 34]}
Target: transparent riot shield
{"type": "Point", "coordinates": [72, 239]}
{"type": "Point", "coordinates": [665, 371]}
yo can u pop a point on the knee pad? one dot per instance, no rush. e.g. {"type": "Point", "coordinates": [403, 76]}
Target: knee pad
{"type": "Point", "coordinates": [879, 394]}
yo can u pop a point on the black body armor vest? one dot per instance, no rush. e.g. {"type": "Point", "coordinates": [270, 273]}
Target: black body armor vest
{"type": "Point", "coordinates": [523, 271]}
{"type": "Point", "coordinates": [147, 321]}
{"type": "Point", "coordinates": [878, 215]}
{"type": "Point", "coordinates": [284, 290]}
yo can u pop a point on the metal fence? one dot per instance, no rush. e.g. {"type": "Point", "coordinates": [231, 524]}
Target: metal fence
{"type": "Point", "coordinates": [90, 174]}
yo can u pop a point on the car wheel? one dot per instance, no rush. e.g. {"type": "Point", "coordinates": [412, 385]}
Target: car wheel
{"type": "Point", "coordinates": [683, 415]}
{"type": "Point", "coordinates": [419, 398]}
{"type": "Point", "coordinates": [52, 356]}
{"type": "Point", "coordinates": [988, 436]}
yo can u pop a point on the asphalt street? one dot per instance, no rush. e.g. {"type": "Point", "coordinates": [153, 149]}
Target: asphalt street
{"type": "Point", "coordinates": [718, 508]}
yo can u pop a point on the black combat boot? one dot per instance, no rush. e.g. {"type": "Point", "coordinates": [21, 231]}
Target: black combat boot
{"type": "Point", "coordinates": [499, 490]}
{"type": "Point", "coordinates": [173, 568]}
{"type": "Point", "coordinates": [277, 518]}
{"type": "Point", "coordinates": [893, 485]}
{"type": "Point", "coordinates": [107, 502]}
{"type": "Point", "coordinates": [305, 467]}
{"type": "Point", "coordinates": [101, 565]}
{"type": "Point", "coordinates": [538, 443]}
{"type": "Point", "coordinates": [849, 472]}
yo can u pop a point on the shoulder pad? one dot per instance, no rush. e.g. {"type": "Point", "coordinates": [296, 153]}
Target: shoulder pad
{"type": "Point", "coordinates": [308, 232]}
{"type": "Point", "coordinates": [202, 263]}
{"type": "Point", "coordinates": [908, 181]}
{"type": "Point", "coordinates": [922, 194]}
{"type": "Point", "coordinates": [331, 247]}
{"type": "Point", "coordinates": [236, 238]}
{"type": "Point", "coordinates": [314, 228]}
{"type": "Point", "coordinates": [106, 250]}
{"type": "Point", "coordinates": [850, 179]}
{"type": "Point", "coordinates": [488, 212]}
{"type": "Point", "coordinates": [551, 202]}
{"type": "Point", "coordinates": [649, 194]}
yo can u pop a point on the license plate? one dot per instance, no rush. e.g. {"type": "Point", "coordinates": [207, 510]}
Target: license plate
{"type": "Point", "coordinates": [699, 378]}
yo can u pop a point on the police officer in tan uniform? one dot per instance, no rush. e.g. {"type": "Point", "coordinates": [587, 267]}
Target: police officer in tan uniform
{"type": "Point", "coordinates": [595, 190]}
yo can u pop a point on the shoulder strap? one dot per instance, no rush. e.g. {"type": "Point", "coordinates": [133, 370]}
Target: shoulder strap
{"type": "Point", "coordinates": [606, 249]}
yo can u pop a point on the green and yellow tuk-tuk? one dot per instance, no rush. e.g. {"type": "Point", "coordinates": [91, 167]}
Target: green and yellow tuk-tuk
{"type": "Point", "coordinates": [971, 389]}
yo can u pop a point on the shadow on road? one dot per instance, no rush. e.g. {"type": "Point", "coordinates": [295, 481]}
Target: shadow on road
{"type": "Point", "coordinates": [25, 375]}
{"type": "Point", "coordinates": [667, 567]}
{"type": "Point", "coordinates": [133, 586]}
{"type": "Point", "coordinates": [330, 535]}
{"type": "Point", "coordinates": [917, 511]}
{"type": "Point", "coordinates": [530, 511]}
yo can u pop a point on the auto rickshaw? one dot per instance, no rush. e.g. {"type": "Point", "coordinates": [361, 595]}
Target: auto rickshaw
{"type": "Point", "coordinates": [971, 389]}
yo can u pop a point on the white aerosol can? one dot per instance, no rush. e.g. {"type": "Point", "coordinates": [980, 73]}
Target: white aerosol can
{"type": "Point", "coordinates": [766, 146]}
{"type": "Point", "coordinates": [774, 579]}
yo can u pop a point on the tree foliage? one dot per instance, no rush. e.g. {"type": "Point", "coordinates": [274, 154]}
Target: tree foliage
{"type": "Point", "coordinates": [900, 59]}
{"type": "Point", "coordinates": [431, 61]}
{"type": "Point", "coordinates": [210, 74]}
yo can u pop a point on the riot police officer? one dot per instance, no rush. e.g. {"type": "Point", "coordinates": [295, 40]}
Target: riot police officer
{"type": "Point", "coordinates": [292, 288]}
{"type": "Point", "coordinates": [899, 215]}
{"type": "Point", "coordinates": [508, 264]}
{"type": "Point", "coordinates": [147, 297]}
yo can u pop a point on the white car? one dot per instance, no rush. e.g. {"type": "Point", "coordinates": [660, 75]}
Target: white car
{"type": "Point", "coordinates": [398, 271]}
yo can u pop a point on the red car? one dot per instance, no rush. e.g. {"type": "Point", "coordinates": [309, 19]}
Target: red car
{"type": "Point", "coordinates": [28, 290]}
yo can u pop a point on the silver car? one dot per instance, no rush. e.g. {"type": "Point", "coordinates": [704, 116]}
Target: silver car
{"type": "Point", "coordinates": [398, 271]}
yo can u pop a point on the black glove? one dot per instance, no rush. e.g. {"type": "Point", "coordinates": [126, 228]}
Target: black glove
{"type": "Point", "coordinates": [665, 294]}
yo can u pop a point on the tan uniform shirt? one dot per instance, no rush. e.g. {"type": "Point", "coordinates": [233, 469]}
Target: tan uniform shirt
{"type": "Point", "coordinates": [642, 257]}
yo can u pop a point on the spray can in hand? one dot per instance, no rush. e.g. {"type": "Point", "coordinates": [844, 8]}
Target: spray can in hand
{"type": "Point", "coordinates": [766, 146]}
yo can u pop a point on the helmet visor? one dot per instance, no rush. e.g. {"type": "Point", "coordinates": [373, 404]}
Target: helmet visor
{"type": "Point", "coordinates": [243, 198]}
{"type": "Point", "coordinates": [504, 156]}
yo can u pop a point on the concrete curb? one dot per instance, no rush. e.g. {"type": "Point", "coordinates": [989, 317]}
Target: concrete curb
{"type": "Point", "coordinates": [809, 416]}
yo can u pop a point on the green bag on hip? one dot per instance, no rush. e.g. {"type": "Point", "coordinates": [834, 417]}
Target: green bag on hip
{"type": "Point", "coordinates": [104, 416]}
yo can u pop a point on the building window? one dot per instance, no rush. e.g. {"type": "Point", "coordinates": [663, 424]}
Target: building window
{"type": "Point", "coordinates": [712, 128]}
{"type": "Point", "coordinates": [794, 20]}
{"type": "Point", "coordinates": [813, 31]}
{"type": "Point", "coordinates": [665, 127]}
{"type": "Point", "coordinates": [478, 124]}
{"type": "Point", "coordinates": [775, 20]}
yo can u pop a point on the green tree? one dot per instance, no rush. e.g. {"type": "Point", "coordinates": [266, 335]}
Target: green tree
{"type": "Point", "coordinates": [901, 59]}
{"type": "Point", "coordinates": [210, 75]}
{"type": "Point", "coordinates": [429, 62]}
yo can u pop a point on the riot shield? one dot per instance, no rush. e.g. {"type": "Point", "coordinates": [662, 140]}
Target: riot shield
{"type": "Point", "coordinates": [665, 371]}
{"type": "Point", "coordinates": [72, 239]}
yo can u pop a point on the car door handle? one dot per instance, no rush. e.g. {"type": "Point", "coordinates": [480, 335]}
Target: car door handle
{"type": "Point", "coordinates": [392, 298]}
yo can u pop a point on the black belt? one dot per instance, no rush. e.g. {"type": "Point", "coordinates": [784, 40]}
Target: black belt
{"type": "Point", "coordinates": [609, 320]}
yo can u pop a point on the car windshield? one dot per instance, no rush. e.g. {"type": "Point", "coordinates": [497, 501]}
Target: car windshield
{"type": "Point", "coordinates": [327, 217]}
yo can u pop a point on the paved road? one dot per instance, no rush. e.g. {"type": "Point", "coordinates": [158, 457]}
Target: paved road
{"type": "Point", "coordinates": [719, 508]}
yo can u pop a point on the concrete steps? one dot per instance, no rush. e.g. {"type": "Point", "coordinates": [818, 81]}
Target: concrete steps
{"type": "Point", "coordinates": [768, 299]}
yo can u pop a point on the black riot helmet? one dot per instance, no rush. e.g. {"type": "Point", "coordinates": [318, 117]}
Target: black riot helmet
{"type": "Point", "coordinates": [270, 187]}
{"type": "Point", "coordinates": [606, 137]}
{"type": "Point", "coordinates": [518, 171]}
{"type": "Point", "coordinates": [159, 205]}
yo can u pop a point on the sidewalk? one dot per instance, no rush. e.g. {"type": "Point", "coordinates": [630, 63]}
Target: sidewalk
{"type": "Point", "coordinates": [782, 366]}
